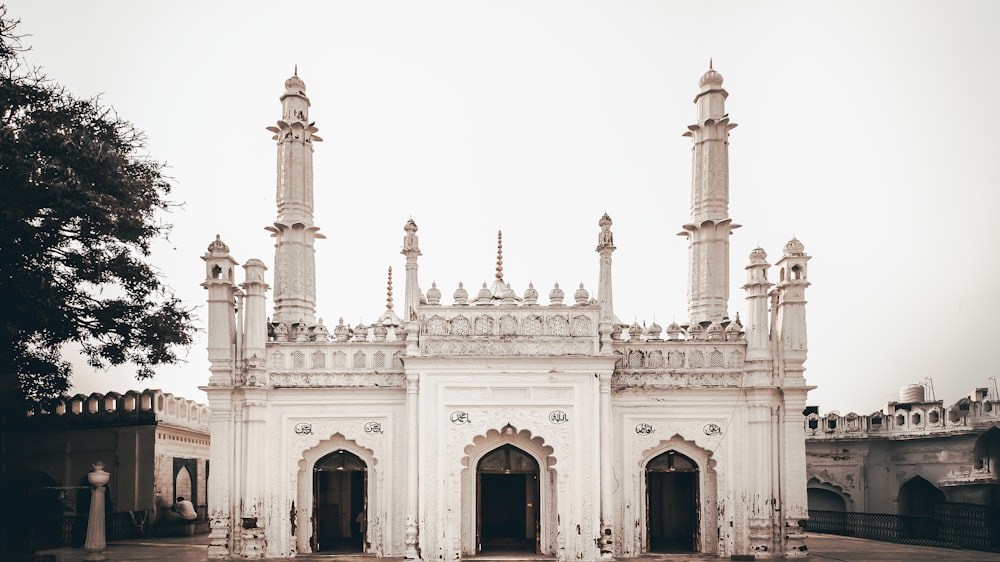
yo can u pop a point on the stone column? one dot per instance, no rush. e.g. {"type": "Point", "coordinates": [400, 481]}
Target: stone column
{"type": "Point", "coordinates": [255, 492]}
{"type": "Point", "coordinates": [607, 541]}
{"type": "Point", "coordinates": [221, 488]}
{"type": "Point", "coordinates": [96, 536]}
{"type": "Point", "coordinates": [412, 470]}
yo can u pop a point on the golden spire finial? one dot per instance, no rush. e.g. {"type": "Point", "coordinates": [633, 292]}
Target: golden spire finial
{"type": "Point", "coordinates": [499, 274]}
{"type": "Point", "coordinates": [388, 296]}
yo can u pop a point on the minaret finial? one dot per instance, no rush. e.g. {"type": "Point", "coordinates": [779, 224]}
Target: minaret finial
{"type": "Point", "coordinates": [499, 274]}
{"type": "Point", "coordinates": [297, 69]}
{"type": "Point", "coordinates": [388, 291]}
{"type": "Point", "coordinates": [710, 63]}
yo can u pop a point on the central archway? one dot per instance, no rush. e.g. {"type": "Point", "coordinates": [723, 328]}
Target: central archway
{"type": "Point", "coordinates": [507, 501]}
{"type": "Point", "coordinates": [340, 503]}
{"type": "Point", "coordinates": [672, 503]}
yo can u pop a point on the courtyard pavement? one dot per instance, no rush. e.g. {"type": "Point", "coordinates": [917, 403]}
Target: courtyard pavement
{"type": "Point", "coordinates": [823, 548]}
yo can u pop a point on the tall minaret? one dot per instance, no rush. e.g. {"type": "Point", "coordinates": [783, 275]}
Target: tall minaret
{"type": "Point", "coordinates": [411, 249]}
{"type": "Point", "coordinates": [293, 230]}
{"type": "Point", "coordinates": [710, 226]}
{"type": "Point", "coordinates": [605, 247]}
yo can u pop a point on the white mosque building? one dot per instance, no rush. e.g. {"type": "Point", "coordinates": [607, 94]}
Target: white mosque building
{"type": "Point", "coordinates": [500, 422]}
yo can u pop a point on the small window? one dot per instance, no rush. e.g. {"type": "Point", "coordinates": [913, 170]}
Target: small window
{"type": "Point", "coordinates": [831, 424]}
{"type": "Point", "coordinates": [900, 420]}
{"type": "Point", "coordinates": [933, 416]}
{"type": "Point", "coordinates": [916, 419]}
{"type": "Point", "coordinates": [813, 423]}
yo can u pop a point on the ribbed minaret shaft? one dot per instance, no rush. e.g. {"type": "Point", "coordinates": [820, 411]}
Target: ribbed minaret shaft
{"type": "Point", "coordinates": [293, 230]}
{"type": "Point", "coordinates": [411, 249]}
{"type": "Point", "coordinates": [710, 226]}
{"type": "Point", "coordinates": [255, 315]}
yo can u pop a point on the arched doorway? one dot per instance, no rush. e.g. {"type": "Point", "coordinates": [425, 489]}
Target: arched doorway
{"type": "Point", "coordinates": [340, 503]}
{"type": "Point", "coordinates": [672, 503]}
{"type": "Point", "coordinates": [507, 505]}
{"type": "Point", "coordinates": [821, 499]}
{"type": "Point", "coordinates": [918, 497]}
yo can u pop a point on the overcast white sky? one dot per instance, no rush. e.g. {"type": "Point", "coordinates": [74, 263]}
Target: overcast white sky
{"type": "Point", "coordinates": [866, 129]}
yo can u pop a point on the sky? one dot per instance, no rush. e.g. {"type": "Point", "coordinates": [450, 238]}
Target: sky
{"type": "Point", "coordinates": [865, 130]}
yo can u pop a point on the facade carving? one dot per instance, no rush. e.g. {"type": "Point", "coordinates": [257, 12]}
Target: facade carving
{"type": "Point", "coordinates": [531, 419]}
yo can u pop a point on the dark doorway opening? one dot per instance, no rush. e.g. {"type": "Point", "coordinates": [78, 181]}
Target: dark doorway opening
{"type": "Point", "coordinates": [508, 510]}
{"type": "Point", "coordinates": [672, 503]}
{"type": "Point", "coordinates": [340, 504]}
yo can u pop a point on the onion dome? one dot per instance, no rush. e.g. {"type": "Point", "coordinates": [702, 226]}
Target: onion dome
{"type": "Point", "coordinates": [758, 256]}
{"type": "Point", "coordinates": [433, 294]}
{"type": "Point", "coordinates": [530, 295]}
{"type": "Point", "coordinates": [556, 295]}
{"type": "Point", "coordinates": [218, 247]}
{"type": "Point", "coordinates": [508, 295]}
{"type": "Point", "coordinates": [581, 296]}
{"type": "Point", "coordinates": [674, 331]}
{"type": "Point", "coordinates": [736, 322]}
{"type": "Point", "coordinates": [461, 296]}
{"type": "Point", "coordinates": [340, 331]}
{"type": "Point", "coordinates": [710, 79]}
{"type": "Point", "coordinates": [320, 333]}
{"type": "Point", "coordinates": [295, 85]}
{"type": "Point", "coordinates": [380, 332]}
{"type": "Point", "coordinates": [361, 332]}
{"type": "Point", "coordinates": [694, 331]}
{"type": "Point", "coordinates": [485, 295]}
{"type": "Point", "coordinates": [634, 332]}
{"type": "Point", "coordinates": [410, 226]}
{"type": "Point", "coordinates": [654, 331]}
{"type": "Point", "coordinates": [616, 332]}
{"type": "Point", "coordinates": [421, 298]}
{"type": "Point", "coordinates": [605, 221]}
{"type": "Point", "coordinates": [733, 331]}
{"type": "Point", "coordinates": [795, 248]}
{"type": "Point", "coordinates": [715, 332]}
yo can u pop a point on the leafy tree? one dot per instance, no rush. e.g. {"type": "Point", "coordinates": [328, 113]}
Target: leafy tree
{"type": "Point", "coordinates": [81, 206]}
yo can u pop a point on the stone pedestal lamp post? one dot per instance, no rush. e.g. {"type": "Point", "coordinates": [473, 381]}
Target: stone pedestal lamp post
{"type": "Point", "coordinates": [96, 541]}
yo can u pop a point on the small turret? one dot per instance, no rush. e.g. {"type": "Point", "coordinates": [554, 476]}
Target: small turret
{"type": "Point", "coordinates": [791, 316]}
{"type": "Point", "coordinates": [219, 267]}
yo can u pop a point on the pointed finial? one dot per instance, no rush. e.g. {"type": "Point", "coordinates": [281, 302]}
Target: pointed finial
{"type": "Point", "coordinates": [388, 296]}
{"type": "Point", "coordinates": [296, 73]}
{"type": "Point", "coordinates": [499, 274]}
{"type": "Point", "coordinates": [710, 63]}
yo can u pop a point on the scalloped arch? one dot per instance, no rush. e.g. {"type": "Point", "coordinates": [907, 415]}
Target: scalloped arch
{"type": "Point", "coordinates": [816, 482]}
{"type": "Point", "coordinates": [493, 438]}
{"type": "Point", "coordinates": [333, 443]}
{"type": "Point", "coordinates": [684, 446]}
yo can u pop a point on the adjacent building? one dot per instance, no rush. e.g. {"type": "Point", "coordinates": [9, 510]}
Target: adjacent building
{"type": "Point", "coordinates": [907, 457]}
{"type": "Point", "coordinates": [506, 418]}
{"type": "Point", "coordinates": [155, 446]}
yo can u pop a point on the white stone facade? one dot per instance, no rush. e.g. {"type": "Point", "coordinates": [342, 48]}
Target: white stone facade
{"type": "Point", "coordinates": [503, 421]}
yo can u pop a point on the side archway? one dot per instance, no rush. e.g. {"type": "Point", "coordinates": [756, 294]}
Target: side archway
{"type": "Point", "coordinates": [327, 456]}
{"type": "Point", "coordinates": [918, 497]}
{"type": "Point", "coordinates": [694, 492]}
{"type": "Point", "coordinates": [824, 496]}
